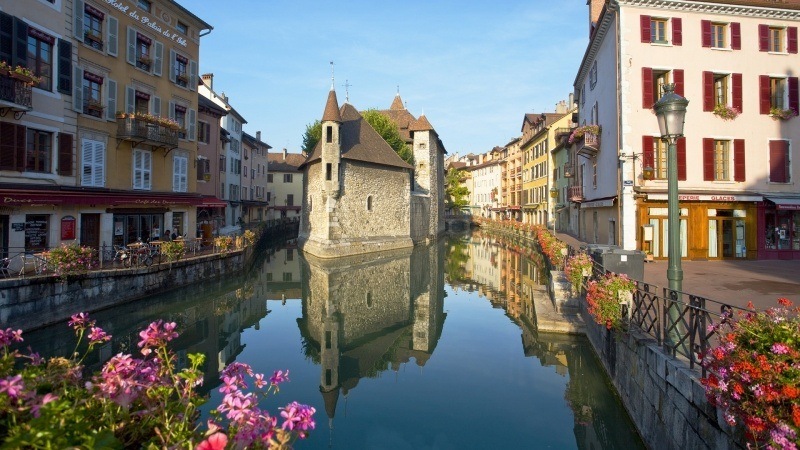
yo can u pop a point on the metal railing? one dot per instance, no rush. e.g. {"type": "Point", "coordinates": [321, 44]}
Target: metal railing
{"type": "Point", "coordinates": [135, 128]}
{"type": "Point", "coordinates": [16, 91]}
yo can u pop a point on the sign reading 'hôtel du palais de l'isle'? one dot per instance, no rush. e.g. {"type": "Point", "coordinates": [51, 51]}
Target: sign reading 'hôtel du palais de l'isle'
{"type": "Point", "coordinates": [147, 21]}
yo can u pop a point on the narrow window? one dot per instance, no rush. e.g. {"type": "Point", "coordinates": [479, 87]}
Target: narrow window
{"type": "Point", "coordinates": [329, 134]}
{"type": "Point", "coordinates": [721, 161]}
{"type": "Point", "coordinates": [369, 203]}
{"type": "Point", "coordinates": [658, 30]}
{"type": "Point", "coordinates": [777, 88]}
{"type": "Point", "coordinates": [776, 39]}
{"type": "Point", "coordinates": [328, 171]}
{"type": "Point", "coordinates": [718, 32]}
{"type": "Point", "coordinates": [721, 89]}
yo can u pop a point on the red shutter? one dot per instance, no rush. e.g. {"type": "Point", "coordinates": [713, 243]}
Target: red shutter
{"type": "Point", "coordinates": [677, 76]}
{"type": "Point", "coordinates": [65, 154]}
{"type": "Point", "coordinates": [644, 22]}
{"type": "Point", "coordinates": [738, 160]}
{"type": "Point", "coordinates": [705, 28]}
{"type": "Point", "coordinates": [647, 88]}
{"type": "Point", "coordinates": [791, 39]}
{"type": "Point", "coordinates": [681, 148]}
{"type": "Point", "coordinates": [647, 152]}
{"type": "Point", "coordinates": [794, 101]}
{"type": "Point", "coordinates": [708, 159]}
{"type": "Point", "coordinates": [736, 89]}
{"type": "Point", "coordinates": [763, 38]}
{"type": "Point", "coordinates": [763, 94]}
{"type": "Point", "coordinates": [777, 161]}
{"type": "Point", "coordinates": [677, 31]}
{"type": "Point", "coordinates": [736, 36]}
{"type": "Point", "coordinates": [708, 91]}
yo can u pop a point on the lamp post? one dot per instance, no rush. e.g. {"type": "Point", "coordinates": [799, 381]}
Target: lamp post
{"type": "Point", "coordinates": [554, 196]}
{"type": "Point", "coordinates": [671, 112]}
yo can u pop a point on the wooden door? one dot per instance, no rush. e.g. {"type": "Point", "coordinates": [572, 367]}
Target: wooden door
{"type": "Point", "coordinates": [90, 230]}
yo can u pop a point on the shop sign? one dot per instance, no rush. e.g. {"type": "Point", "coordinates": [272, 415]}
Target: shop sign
{"type": "Point", "coordinates": [146, 21]}
{"type": "Point", "coordinates": [19, 226]}
{"type": "Point", "coordinates": [709, 198]}
{"type": "Point", "coordinates": [67, 228]}
{"type": "Point", "coordinates": [598, 204]}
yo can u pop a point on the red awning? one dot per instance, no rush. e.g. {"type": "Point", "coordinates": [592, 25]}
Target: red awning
{"type": "Point", "coordinates": [18, 197]}
{"type": "Point", "coordinates": [213, 202]}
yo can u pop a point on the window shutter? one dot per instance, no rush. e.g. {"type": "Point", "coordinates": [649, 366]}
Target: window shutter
{"type": "Point", "coordinates": [708, 91]}
{"type": "Point", "coordinates": [64, 67]}
{"type": "Point", "coordinates": [12, 146]}
{"type": "Point", "coordinates": [736, 90]}
{"type": "Point", "coordinates": [176, 174]}
{"type": "Point", "coordinates": [113, 35]}
{"type": "Point", "coordinates": [137, 169]}
{"type": "Point", "coordinates": [158, 60]}
{"type": "Point", "coordinates": [738, 160]}
{"type": "Point", "coordinates": [20, 56]}
{"type": "Point", "coordinates": [644, 22]}
{"type": "Point", "coordinates": [794, 101]}
{"type": "Point", "coordinates": [171, 111]}
{"type": "Point", "coordinates": [681, 154]}
{"type": "Point", "coordinates": [647, 87]}
{"type": "Point", "coordinates": [130, 98]}
{"type": "Point", "coordinates": [736, 36]}
{"type": "Point", "coordinates": [130, 55]}
{"type": "Point", "coordinates": [65, 154]}
{"type": "Point", "coordinates": [708, 159]}
{"type": "Point", "coordinates": [777, 161]}
{"type": "Point", "coordinates": [111, 107]}
{"type": "Point", "coordinates": [193, 75]}
{"type": "Point", "coordinates": [677, 32]}
{"type": "Point", "coordinates": [184, 174]}
{"type": "Point", "coordinates": [172, 65]}
{"type": "Point", "coordinates": [647, 152]}
{"type": "Point", "coordinates": [677, 76]}
{"type": "Point", "coordinates": [705, 31]}
{"type": "Point", "coordinates": [77, 89]}
{"type": "Point", "coordinates": [77, 14]}
{"type": "Point", "coordinates": [191, 117]}
{"type": "Point", "coordinates": [156, 105]}
{"type": "Point", "coordinates": [87, 162]}
{"type": "Point", "coordinates": [764, 91]}
{"type": "Point", "coordinates": [6, 36]}
{"type": "Point", "coordinates": [146, 166]}
{"type": "Point", "coordinates": [763, 38]}
{"type": "Point", "coordinates": [791, 39]}
{"type": "Point", "coordinates": [99, 164]}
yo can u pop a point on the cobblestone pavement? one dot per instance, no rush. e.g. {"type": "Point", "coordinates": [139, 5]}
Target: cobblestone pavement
{"type": "Point", "coordinates": [732, 282]}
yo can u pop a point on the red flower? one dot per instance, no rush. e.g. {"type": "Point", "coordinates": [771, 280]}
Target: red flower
{"type": "Point", "coordinates": [216, 441]}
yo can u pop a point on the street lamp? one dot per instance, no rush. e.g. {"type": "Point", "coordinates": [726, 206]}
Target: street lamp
{"type": "Point", "coordinates": [671, 112]}
{"type": "Point", "coordinates": [554, 196]}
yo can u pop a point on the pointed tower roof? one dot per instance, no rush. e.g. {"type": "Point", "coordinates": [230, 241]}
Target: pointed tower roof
{"type": "Point", "coordinates": [421, 124]}
{"type": "Point", "coordinates": [332, 109]}
{"type": "Point", "coordinates": [397, 103]}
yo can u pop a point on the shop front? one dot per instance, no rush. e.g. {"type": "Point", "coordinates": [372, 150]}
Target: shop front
{"type": "Point", "coordinates": [712, 226]}
{"type": "Point", "coordinates": [779, 227]}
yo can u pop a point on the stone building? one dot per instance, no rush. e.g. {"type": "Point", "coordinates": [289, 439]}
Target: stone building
{"type": "Point", "coordinates": [359, 196]}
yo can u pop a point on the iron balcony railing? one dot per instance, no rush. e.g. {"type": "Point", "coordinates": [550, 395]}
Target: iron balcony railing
{"type": "Point", "coordinates": [589, 145]}
{"type": "Point", "coordinates": [135, 129]}
{"type": "Point", "coordinates": [575, 193]}
{"type": "Point", "coordinates": [15, 94]}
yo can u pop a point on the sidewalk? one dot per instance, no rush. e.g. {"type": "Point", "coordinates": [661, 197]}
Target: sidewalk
{"type": "Point", "coordinates": [731, 282]}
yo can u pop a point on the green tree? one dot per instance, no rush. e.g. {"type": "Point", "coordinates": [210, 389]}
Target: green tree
{"type": "Point", "coordinates": [312, 135]}
{"type": "Point", "coordinates": [456, 193]}
{"type": "Point", "coordinates": [389, 132]}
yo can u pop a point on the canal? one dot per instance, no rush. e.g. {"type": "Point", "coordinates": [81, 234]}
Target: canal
{"type": "Point", "coordinates": [434, 347]}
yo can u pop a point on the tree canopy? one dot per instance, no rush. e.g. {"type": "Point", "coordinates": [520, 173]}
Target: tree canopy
{"type": "Point", "coordinates": [312, 135]}
{"type": "Point", "coordinates": [456, 193]}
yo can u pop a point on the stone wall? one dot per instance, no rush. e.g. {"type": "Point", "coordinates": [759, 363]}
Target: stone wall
{"type": "Point", "coordinates": [38, 301]}
{"type": "Point", "coordinates": [420, 217]}
{"type": "Point", "coordinates": [662, 395]}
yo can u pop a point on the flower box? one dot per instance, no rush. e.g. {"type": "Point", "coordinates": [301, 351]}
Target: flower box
{"type": "Point", "coordinates": [144, 60]}
{"type": "Point", "coordinates": [782, 114]}
{"type": "Point", "coordinates": [183, 78]}
{"type": "Point", "coordinates": [207, 177]}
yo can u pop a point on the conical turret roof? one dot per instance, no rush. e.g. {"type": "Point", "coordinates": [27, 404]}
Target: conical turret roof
{"type": "Point", "coordinates": [331, 113]}
{"type": "Point", "coordinates": [397, 103]}
{"type": "Point", "coordinates": [421, 124]}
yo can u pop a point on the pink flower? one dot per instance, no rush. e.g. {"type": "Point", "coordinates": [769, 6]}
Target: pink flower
{"type": "Point", "coordinates": [216, 441]}
{"type": "Point", "coordinates": [97, 335]}
{"type": "Point", "coordinates": [279, 377]}
{"type": "Point", "coordinates": [260, 383]}
{"type": "Point", "coordinates": [12, 386]}
{"type": "Point", "coordinates": [780, 348]}
{"type": "Point", "coordinates": [156, 335]}
{"type": "Point", "coordinates": [80, 321]}
{"type": "Point", "coordinates": [47, 398]}
{"type": "Point", "coordinates": [298, 416]}
{"type": "Point", "coordinates": [8, 336]}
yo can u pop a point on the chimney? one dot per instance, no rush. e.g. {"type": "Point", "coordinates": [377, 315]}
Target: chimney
{"type": "Point", "coordinates": [571, 103]}
{"type": "Point", "coordinates": [208, 80]}
{"type": "Point", "coordinates": [258, 136]}
{"type": "Point", "coordinates": [595, 9]}
{"type": "Point", "coordinates": [284, 154]}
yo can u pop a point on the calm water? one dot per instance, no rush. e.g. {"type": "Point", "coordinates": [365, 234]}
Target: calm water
{"type": "Point", "coordinates": [431, 348]}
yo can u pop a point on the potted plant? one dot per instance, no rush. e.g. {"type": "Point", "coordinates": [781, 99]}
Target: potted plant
{"type": "Point", "coordinates": [577, 268]}
{"type": "Point", "coordinates": [144, 59]}
{"type": "Point", "coordinates": [182, 78]}
{"type": "Point", "coordinates": [726, 112]}
{"type": "Point", "coordinates": [4, 68]}
{"type": "Point", "coordinates": [24, 74]}
{"type": "Point", "coordinates": [70, 260]}
{"type": "Point", "coordinates": [782, 114]}
{"type": "Point", "coordinates": [753, 373]}
{"type": "Point", "coordinates": [94, 105]}
{"type": "Point", "coordinates": [604, 297]}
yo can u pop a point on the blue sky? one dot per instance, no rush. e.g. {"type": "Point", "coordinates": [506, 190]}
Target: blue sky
{"type": "Point", "coordinates": [473, 68]}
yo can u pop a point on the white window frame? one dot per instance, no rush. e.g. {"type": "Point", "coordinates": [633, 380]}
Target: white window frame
{"type": "Point", "coordinates": [142, 169]}
{"type": "Point", "coordinates": [180, 173]}
{"type": "Point", "coordinates": [93, 156]}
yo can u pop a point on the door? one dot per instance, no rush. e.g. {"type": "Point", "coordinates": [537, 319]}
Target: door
{"type": "Point", "coordinates": [660, 243]}
{"type": "Point", "coordinates": [90, 230]}
{"type": "Point", "coordinates": [726, 239]}
{"type": "Point", "coordinates": [3, 236]}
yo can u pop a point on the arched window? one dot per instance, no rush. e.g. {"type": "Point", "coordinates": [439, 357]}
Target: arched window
{"type": "Point", "coordinates": [369, 203]}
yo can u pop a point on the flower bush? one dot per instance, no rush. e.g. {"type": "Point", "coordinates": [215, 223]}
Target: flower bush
{"type": "Point", "coordinates": [134, 402]}
{"type": "Point", "coordinates": [70, 260]}
{"type": "Point", "coordinates": [579, 132]}
{"type": "Point", "coordinates": [31, 78]}
{"type": "Point", "coordinates": [552, 248]}
{"type": "Point", "coordinates": [173, 250]}
{"type": "Point", "coordinates": [755, 374]}
{"type": "Point", "coordinates": [577, 267]}
{"type": "Point", "coordinates": [165, 122]}
{"type": "Point", "coordinates": [223, 243]}
{"type": "Point", "coordinates": [603, 297]}
{"type": "Point", "coordinates": [726, 112]}
{"type": "Point", "coordinates": [782, 114]}
{"type": "Point", "coordinates": [249, 238]}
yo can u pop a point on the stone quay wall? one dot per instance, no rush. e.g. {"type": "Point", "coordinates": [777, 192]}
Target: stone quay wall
{"type": "Point", "coordinates": [34, 302]}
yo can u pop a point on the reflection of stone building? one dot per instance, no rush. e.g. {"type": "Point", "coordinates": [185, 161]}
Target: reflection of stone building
{"type": "Point", "coordinates": [365, 314]}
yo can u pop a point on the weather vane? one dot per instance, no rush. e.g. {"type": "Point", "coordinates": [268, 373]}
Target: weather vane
{"type": "Point", "coordinates": [332, 75]}
{"type": "Point", "coordinates": [347, 90]}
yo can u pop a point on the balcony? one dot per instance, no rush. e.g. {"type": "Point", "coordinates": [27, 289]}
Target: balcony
{"type": "Point", "coordinates": [15, 95]}
{"type": "Point", "coordinates": [569, 170]}
{"type": "Point", "coordinates": [141, 131]}
{"type": "Point", "coordinates": [575, 194]}
{"type": "Point", "coordinates": [589, 145]}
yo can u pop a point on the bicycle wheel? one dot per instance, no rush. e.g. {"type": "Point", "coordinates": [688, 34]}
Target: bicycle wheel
{"type": "Point", "coordinates": [148, 261]}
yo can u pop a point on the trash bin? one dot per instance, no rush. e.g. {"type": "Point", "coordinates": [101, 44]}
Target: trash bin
{"type": "Point", "coordinates": [617, 260]}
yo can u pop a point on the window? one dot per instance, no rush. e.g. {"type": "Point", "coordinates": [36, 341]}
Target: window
{"type": "Point", "coordinates": [180, 169]}
{"type": "Point", "coordinates": [245, 171]}
{"type": "Point", "coordinates": [369, 203]}
{"type": "Point", "coordinates": [287, 178]}
{"type": "Point", "coordinates": [776, 39]}
{"type": "Point", "coordinates": [92, 98]}
{"type": "Point", "coordinates": [222, 163]}
{"type": "Point", "coordinates": [721, 160]}
{"type": "Point", "coordinates": [777, 89]}
{"type": "Point", "coordinates": [659, 159]}
{"type": "Point", "coordinates": [720, 89]}
{"type": "Point", "coordinates": [182, 28]}
{"type": "Point", "coordinates": [203, 169]}
{"type": "Point", "coordinates": [718, 33]}
{"type": "Point", "coordinates": [653, 81]}
{"type": "Point", "coordinates": [39, 149]}
{"type": "Point", "coordinates": [93, 27]}
{"type": "Point", "coordinates": [779, 162]}
{"type": "Point", "coordinates": [290, 200]}
{"type": "Point", "coordinates": [655, 29]}
{"type": "Point", "coordinates": [329, 134]}
{"type": "Point", "coordinates": [222, 191]}
{"type": "Point", "coordinates": [142, 169]}
{"type": "Point", "coordinates": [36, 231]}
{"type": "Point", "coordinates": [269, 178]}
{"type": "Point", "coordinates": [144, 59]}
{"type": "Point", "coordinates": [180, 67]}
{"type": "Point", "coordinates": [328, 171]}
{"type": "Point", "coordinates": [144, 5]}
{"type": "Point", "coordinates": [593, 76]}
{"type": "Point", "coordinates": [203, 132]}
{"type": "Point", "coordinates": [179, 115]}
{"type": "Point", "coordinates": [658, 30]}
{"type": "Point", "coordinates": [40, 57]}
{"type": "Point", "coordinates": [93, 155]}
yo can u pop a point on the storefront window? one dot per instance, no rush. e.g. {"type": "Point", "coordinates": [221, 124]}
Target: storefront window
{"type": "Point", "coordinates": [726, 233]}
{"type": "Point", "coordinates": [129, 228]}
{"type": "Point", "coordinates": [782, 230]}
{"type": "Point", "coordinates": [177, 223]}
